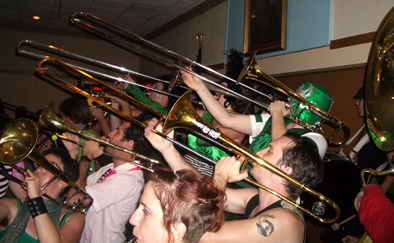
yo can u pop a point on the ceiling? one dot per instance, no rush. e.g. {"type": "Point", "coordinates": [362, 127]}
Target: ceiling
{"type": "Point", "coordinates": [138, 16]}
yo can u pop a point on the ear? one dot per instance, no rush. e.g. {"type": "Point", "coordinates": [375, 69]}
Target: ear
{"type": "Point", "coordinates": [178, 230]}
{"type": "Point", "coordinates": [287, 169]}
{"type": "Point", "coordinates": [129, 145]}
{"type": "Point", "coordinates": [62, 184]}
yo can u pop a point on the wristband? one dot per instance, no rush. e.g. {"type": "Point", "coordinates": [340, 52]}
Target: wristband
{"type": "Point", "coordinates": [85, 158]}
{"type": "Point", "coordinates": [36, 206]}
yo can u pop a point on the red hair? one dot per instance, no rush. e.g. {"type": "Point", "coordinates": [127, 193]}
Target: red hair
{"type": "Point", "coordinates": [188, 198]}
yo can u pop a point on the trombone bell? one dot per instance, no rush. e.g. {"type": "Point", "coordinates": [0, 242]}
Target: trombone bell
{"type": "Point", "coordinates": [17, 140]}
{"type": "Point", "coordinates": [183, 115]}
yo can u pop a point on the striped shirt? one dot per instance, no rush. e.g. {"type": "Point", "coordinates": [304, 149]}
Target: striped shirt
{"type": "Point", "coordinates": [4, 181]}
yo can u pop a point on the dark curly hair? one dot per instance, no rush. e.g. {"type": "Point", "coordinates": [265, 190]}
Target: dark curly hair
{"type": "Point", "coordinates": [305, 161]}
{"type": "Point", "coordinates": [190, 199]}
{"type": "Point", "coordinates": [136, 133]}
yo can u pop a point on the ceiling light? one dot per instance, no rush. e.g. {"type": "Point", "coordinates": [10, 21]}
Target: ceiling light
{"type": "Point", "coordinates": [36, 17]}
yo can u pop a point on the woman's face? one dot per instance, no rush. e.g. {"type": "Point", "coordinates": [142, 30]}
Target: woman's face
{"type": "Point", "coordinates": [148, 218]}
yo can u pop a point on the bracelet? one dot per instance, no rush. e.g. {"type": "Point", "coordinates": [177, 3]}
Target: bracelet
{"type": "Point", "coordinates": [36, 206]}
{"type": "Point", "coordinates": [85, 158]}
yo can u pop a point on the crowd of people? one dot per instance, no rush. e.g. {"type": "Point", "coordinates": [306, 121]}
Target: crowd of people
{"type": "Point", "coordinates": [186, 199]}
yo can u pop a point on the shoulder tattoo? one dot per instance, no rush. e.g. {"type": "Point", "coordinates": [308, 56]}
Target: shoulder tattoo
{"type": "Point", "coordinates": [264, 226]}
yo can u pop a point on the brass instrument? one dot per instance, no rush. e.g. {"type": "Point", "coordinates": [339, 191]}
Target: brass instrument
{"type": "Point", "coordinates": [183, 115]}
{"type": "Point", "coordinates": [121, 95]}
{"type": "Point", "coordinates": [17, 142]}
{"type": "Point", "coordinates": [49, 121]}
{"type": "Point", "coordinates": [85, 83]}
{"type": "Point", "coordinates": [252, 71]}
{"type": "Point", "coordinates": [379, 94]}
{"type": "Point", "coordinates": [105, 153]}
{"type": "Point", "coordinates": [122, 37]}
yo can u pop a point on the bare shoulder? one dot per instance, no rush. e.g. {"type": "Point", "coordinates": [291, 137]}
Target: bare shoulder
{"type": "Point", "coordinates": [71, 230]}
{"type": "Point", "coordinates": [275, 225]}
{"type": "Point", "coordinates": [280, 223]}
{"type": "Point", "coordinates": [74, 217]}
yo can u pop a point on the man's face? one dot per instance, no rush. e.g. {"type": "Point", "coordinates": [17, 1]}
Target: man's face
{"type": "Point", "coordinates": [116, 137]}
{"type": "Point", "coordinates": [272, 154]}
{"type": "Point", "coordinates": [360, 106]}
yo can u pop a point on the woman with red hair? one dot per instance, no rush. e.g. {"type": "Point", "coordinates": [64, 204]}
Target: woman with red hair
{"type": "Point", "coordinates": [177, 206]}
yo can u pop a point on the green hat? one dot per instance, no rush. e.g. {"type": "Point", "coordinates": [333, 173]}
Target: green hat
{"type": "Point", "coordinates": [317, 95]}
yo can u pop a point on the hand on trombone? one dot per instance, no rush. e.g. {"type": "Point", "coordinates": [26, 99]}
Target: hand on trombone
{"type": "Point", "coordinates": [92, 149]}
{"type": "Point", "coordinates": [227, 170]}
{"type": "Point", "coordinates": [159, 143]}
{"type": "Point", "coordinates": [279, 107]}
{"type": "Point", "coordinates": [193, 82]}
{"type": "Point", "coordinates": [33, 185]}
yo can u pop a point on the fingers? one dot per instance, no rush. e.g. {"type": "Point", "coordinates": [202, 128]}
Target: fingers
{"type": "Point", "coordinates": [228, 167]}
{"type": "Point", "coordinates": [278, 107]}
{"type": "Point", "coordinates": [92, 149]}
{"type": "Point", "coordinates": [33, 183]}
{"type": "Point", "coordinates": [358, 199]}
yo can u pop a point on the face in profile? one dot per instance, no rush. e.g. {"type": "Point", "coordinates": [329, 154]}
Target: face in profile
{"type": "Point", "coordinates": [360, 107]}
{"type": "Point", "coordinates": [148, 218]}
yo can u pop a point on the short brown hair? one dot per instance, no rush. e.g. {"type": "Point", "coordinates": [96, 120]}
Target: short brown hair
{"type": "Point", "coordinates": [190, 199]}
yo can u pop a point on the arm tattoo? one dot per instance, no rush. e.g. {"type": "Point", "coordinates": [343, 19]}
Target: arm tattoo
{"type": "Point", "coordinates": [264, 226]}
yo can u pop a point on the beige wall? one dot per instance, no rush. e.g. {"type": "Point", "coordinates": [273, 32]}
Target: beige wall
{"type": "Point", "coordinates": [182, 39]}
{"type": "Point", "coordinates": [19, 85]}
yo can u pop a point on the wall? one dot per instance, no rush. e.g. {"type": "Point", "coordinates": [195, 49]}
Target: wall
{"type": "Point", "coordinates": [182, 40]}
{"type": "Point", "coordinates": [20, 85]}
{"type": "Point", "coordinates": [308, 25]}
{"type": "Point", "coordinates": [341, 71]}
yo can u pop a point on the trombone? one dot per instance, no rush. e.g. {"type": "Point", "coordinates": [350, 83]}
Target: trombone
{"type": "Point", "coordinates": [183, 115]}
{"type": "Point", "coordinates": [252, 71]}
{"type": "Point", "coordinates": [17, 142]}
{"type": "Point", "coordinates": [121, 95]}
{"type": "Point", "coordinates": [119, 36]}
{"type": "Point", "coordinates": [53, 49]}
{"type": "Point", "coordinates": [49, 121]}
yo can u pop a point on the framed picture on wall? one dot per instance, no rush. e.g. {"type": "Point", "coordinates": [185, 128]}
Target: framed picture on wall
{"type": "Point", "coordinates": [265, 26]}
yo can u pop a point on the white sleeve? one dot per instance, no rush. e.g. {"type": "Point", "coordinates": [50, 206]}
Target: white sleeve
{"type": "Point", "coordinates": [114, 190]}
{"type": "Point", "coordinates": [257, 126]}
{"type": "Point", "coordinates": [320, 141]}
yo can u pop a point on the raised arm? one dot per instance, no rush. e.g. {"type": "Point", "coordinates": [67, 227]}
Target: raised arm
{"type": "Point", "coordinates": [239, 123]}
{"type": "Point", "coordinates": [278, 110]}
{"type": "Point", "coordinates": [98, 114]}
{"type": "Point", "coordinates": [166, 148]}
{"type": "Point", "coordinates": [46, 230]}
